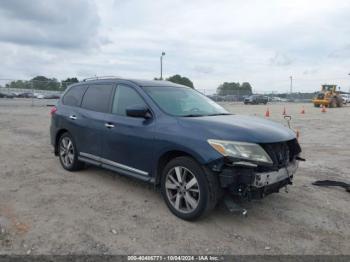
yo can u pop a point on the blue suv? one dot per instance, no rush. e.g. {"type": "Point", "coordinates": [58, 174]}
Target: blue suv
{"type": "Point", "coordinates": [175, 138]}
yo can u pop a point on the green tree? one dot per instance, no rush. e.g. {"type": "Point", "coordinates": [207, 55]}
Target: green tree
{"type": "Point", "coordinates": [19, 84]}
{"type": "Point", "coordinates": [44, 83]}
{"type": "Point", "coordinates": [232, 88]}
{"type": "Point", "coordinates": [246, 87]}
{"type": "Point", "coordinates": [182, 80]}
{"type": "Point", "coordinates": [67, 82]}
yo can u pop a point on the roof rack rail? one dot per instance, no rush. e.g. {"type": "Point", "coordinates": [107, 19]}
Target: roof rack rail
{"type": "Point", "coordinates": [100, 77]}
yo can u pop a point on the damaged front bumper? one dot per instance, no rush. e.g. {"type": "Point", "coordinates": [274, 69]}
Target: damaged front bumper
{"type": "Point", "coordinates": [269, 178]}
{"type": "Point", "coordinates": [253, 183]}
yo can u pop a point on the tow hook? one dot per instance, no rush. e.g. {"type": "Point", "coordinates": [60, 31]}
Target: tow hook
{"type": "Point", "coordinates": [234, 207]}
{"type": "Point", "coordinates": [288, 119]}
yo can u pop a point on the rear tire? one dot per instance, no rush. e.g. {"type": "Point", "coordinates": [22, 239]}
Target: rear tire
{"type": "Point", "coordinates": [339, 101]}
{"type": "Point", "coordinates": [333, 103]}
{"type": "Point", "coordinates": [68, 153]}
{"type": "Point", "coordinates": [187, 189]}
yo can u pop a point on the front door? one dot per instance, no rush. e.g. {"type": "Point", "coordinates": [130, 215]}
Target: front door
{"type": "Point", "coordinates": [128, 142]}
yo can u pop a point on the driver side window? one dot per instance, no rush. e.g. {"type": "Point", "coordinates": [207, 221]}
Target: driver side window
{"type": "Point", "coordinates": [125, 97]}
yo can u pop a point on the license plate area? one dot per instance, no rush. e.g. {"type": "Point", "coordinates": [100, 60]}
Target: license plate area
{"type": "Point", "coordinates": [269, 178]}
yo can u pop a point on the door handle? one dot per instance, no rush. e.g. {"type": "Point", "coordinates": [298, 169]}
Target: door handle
{"type": "Point", "coordinates": [108, 125]}
{"type": "Point", "coordinates": [73, 117]}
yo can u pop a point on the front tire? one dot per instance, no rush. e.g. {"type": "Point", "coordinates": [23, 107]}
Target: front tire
{"type": "Point", "coordinates": [187, 189]}
{"type": "Point", "coordinates": [68, 153]}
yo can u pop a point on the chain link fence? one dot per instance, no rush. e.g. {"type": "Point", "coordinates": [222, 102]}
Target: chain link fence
{"type": "Point", "coordinates": [37, 92]}
{"type": "Point", "coordinates": [273, 96]}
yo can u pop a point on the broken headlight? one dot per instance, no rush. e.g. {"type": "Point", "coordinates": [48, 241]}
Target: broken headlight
{"type": "Point", "coordinates": [241, 150]}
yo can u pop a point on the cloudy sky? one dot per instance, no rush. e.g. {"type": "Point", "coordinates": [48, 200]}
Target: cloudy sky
{"type": "Point", "coordinates": [262, 42]}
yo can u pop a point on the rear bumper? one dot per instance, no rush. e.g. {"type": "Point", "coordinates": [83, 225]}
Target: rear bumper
{"type": "Point", "coordinates": [248, 183]}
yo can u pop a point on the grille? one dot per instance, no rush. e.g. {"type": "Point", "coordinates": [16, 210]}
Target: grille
{"type": "Point", "coordinates": [282, 153]}
{"type": "Point", "coordinates": [320, 96]}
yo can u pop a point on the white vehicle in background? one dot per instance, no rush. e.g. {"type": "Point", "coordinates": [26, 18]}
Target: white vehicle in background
{"type": "Point", "coordinates": [275, 99]}
{"type": "Point", "coordinates": [278, 99]}
{"type": "Point", "coordinates": [38, 95]}
{"type": "Point", "coordinates": [346, 98]}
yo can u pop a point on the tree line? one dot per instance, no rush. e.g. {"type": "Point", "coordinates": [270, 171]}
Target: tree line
{"type": "Point", "coordinates": [234, 89]}
{"type": "Point", "coordinates": [42, 83]}
{"type": "Point", "coordinates": [52, 84]}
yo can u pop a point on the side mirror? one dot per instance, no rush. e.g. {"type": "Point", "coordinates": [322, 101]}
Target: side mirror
{"type": "Point", "coordinates": [138, 111]}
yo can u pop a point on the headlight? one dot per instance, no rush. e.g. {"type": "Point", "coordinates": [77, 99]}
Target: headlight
{"type": "Point", "coordinates": [241, 150]}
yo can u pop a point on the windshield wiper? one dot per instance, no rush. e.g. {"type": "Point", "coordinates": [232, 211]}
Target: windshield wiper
{"type": "Point", "coordinates": [192, 115]}
{"type": "Point", "coordinates": [196, 115]}
{"type": "Point", "coordinates": [220, 114]}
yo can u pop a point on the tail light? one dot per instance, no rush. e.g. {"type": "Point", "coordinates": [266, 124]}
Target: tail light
{"type": "Point", "coordinates": [53, 110]}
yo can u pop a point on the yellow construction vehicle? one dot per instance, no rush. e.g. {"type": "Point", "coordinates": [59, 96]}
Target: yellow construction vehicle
{"type": "Point", "coordinates": [328, 97]}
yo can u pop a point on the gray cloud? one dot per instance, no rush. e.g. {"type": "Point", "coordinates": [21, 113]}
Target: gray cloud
{"type": "Point", "coordinates": [280, 60]}
{"type": "Point", "coordinates": [208, 41]}
{"type": "Point", "coordinates": [203, 69]}
{"type": "Point", "coordinates": [56, 24]}
{"type": "Point", "coordinates": [340, 53]}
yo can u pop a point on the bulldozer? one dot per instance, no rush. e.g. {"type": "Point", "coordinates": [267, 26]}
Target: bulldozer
{"type": "Point", "coordinates": [328, 97]}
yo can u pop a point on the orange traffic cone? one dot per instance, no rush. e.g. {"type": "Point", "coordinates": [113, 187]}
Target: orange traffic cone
{"type": "Point", "coordinates": [284, 111]}
{"type": "Point", "coordinates": [302, 111]}
{"type": "Point", "coordinates": [267, 114]}
{"type": "Point", "coordinates": [323, 109]}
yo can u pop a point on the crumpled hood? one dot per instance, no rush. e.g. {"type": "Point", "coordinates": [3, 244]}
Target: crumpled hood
{"type": "Point", "coordinates": [238, 128]}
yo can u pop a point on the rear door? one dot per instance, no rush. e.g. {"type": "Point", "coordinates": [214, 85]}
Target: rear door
{"type": "Point", "coordinates": [128, 142]}
{"type": "Point", "coordinates": [94, 108]}
{"type": "Point", "coordinates": [70, 112]}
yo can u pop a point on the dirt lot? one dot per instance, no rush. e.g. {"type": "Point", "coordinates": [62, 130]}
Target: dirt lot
{"type": "Point", "coordinates": [46, 210]}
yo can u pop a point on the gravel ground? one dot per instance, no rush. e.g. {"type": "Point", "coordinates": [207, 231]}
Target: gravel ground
{"type": "Point", "coordinates": [46, 210]}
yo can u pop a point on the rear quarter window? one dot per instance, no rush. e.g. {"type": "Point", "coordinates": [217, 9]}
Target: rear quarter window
{"type": "Point", "coordinates": [97, 97]}
{"type": "Point", "coordinates": [74, 95]}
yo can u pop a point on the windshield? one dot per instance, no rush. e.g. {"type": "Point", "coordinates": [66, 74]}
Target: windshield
{"type": "Point", "coordinates": [183, 101]}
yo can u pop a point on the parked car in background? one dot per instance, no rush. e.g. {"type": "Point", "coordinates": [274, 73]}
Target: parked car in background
{"type": "Point", "coordinates": [6, 95]}
{"type": "Point", "coordinates": [175, 138]}
{"type": "Point", "coordinates": [346, 98]}
{"type": "Point", "coordinates": [256, 99]}
{"type": "Point", "coordinates": [25, 95]}
{"type": "Point", "coordinates": [52, 96]}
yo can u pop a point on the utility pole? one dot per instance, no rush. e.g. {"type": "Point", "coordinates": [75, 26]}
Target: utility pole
{"type": "Point", "coordinates": [32, 86]}
{"type": "Point", "coordinates": [291, 84]}
{"type": "Point", "coordinates": [161, 65]}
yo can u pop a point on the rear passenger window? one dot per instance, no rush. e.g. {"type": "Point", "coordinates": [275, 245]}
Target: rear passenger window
{"type": "Point", "coordinates": [97, 98]}
{"type": "Point", "coordinates": [125, 97]}
{"type": "Point", "coordinates": [74, 95]}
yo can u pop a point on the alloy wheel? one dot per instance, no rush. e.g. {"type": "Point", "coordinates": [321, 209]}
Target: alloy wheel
{"type": "Point", "coordinates": [182, 189]}
{"type": "Point", "coordinates": [67, 152]}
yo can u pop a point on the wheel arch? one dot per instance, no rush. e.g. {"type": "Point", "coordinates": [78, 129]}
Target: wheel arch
{"type": "Point", "coordinates": [168, 156]}
{"type": "Point", "coordinates": [57, 138]}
